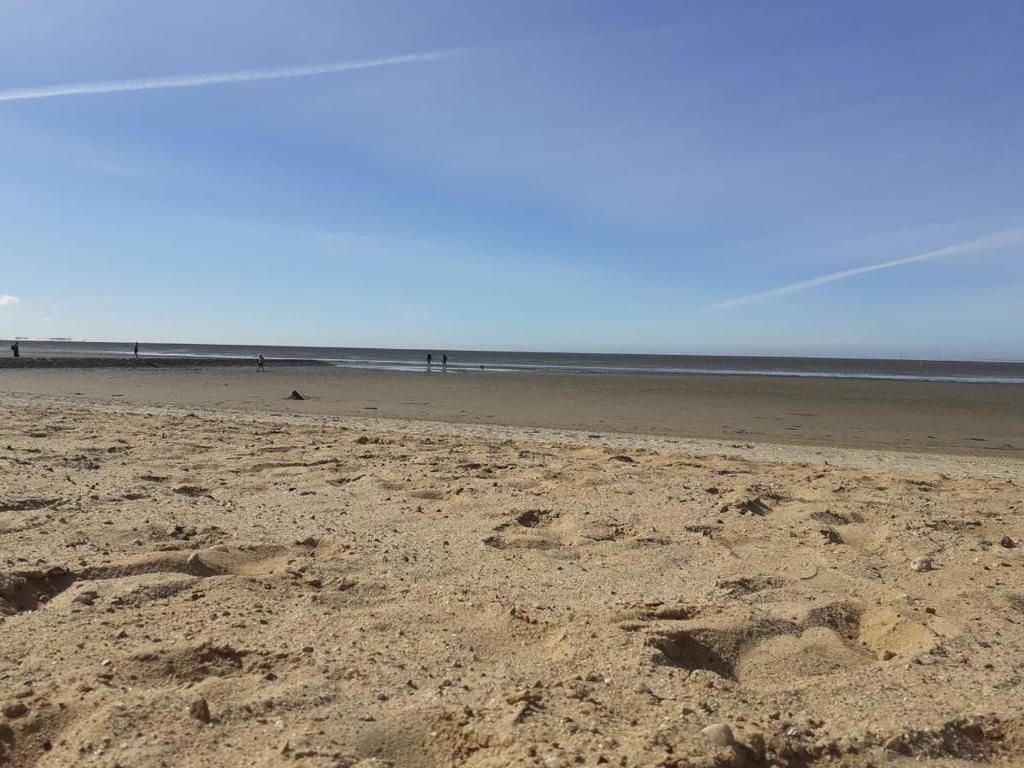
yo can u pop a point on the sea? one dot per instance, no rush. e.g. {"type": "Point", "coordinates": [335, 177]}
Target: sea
{"type": "Point", "coordinates": [414, 360]}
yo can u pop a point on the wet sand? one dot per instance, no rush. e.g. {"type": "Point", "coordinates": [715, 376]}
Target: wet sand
{"type": "Point", "coordinates": [978, 419]}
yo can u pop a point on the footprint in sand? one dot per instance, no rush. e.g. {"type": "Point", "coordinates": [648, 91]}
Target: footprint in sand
{"type": "Point", "coordinates": [771, 652]}
{"type": "Point", "coordinates": [547, 529]}
{"type": "Point", "coordinates": [158, 575]}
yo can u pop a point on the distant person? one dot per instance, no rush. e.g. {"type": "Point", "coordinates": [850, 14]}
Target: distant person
{"type": "Point", "coordinates": [136, 350]}
{"type": "Point", "coordinates": [16, 349]}
{"type": "Point", "coordinates": [444, 362]}
{"type": "Point", "coordinates": [260, 364]}
{"type": "Point", "coordinates": [430, 359]}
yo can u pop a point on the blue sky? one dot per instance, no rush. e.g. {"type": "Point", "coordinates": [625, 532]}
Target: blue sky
{"type": "Point", "coordinates": [591, 176]}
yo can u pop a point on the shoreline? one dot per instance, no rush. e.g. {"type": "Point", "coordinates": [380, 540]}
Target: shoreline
{"type": "Point", "coordinates": [843, 369]}
{"type": "Point", "coordinates": [143, 362]}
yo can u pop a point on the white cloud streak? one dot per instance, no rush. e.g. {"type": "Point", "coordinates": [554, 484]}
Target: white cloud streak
{"type": "Point", "coordinates": [213, 78]}
{"type": "Point", "coordinates": [6, 300]}
{"type": "Point", "coordinates": [1002, 239]}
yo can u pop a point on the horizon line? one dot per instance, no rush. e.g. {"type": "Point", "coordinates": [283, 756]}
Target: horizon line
{"type": "Point", "coordinates": [450, 350]}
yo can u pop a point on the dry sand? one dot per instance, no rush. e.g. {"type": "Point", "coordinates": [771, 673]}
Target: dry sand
{"type": "Point", "coordinates": [203, 586]}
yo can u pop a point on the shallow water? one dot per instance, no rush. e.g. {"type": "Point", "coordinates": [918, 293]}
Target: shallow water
{"type": "Point", "coordinates": [415, 360]}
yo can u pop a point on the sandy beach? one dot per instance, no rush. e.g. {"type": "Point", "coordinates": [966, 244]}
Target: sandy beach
{"type": "Point", "coordinates": [937, 417]}
{"type": "Point", "coordinates": [435, 570]}
{"type": "Point", "coordinates": [511, 385]}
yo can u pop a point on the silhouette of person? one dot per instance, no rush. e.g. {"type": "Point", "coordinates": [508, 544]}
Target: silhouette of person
{"type": "Point", "coordinates": [136, 349]}
{"type": "Point", "coordinates": [430, 359]}
{"type": "Point", "coordinates": [444, 362]}
{"type": "Point", "coordinates": [16, 349]}
{"type": "Point", "coordinates": [260, 366]}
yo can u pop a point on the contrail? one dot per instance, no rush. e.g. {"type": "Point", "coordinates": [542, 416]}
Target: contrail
{"type": "Point", "coordinates": [1001, 239]}
{"type": "Point", "coordinates": [212, 78]}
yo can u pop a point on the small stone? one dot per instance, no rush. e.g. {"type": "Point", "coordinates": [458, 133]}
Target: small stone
{"type": "Point", "coordinates": [1007, 542]}
{"type": "Point", "coordinates": [86, 598]}
{"type": "Point", "coordinates": [922, 564]}
{"type": "Point", "coordinates": [736, 757]}
{"type": "Point", "coordinates": [887, 655]}
{"type": "Point", "coordinates": [295, 395]}
{"type": "Point", "coordinates": [831, 536]}
{"type": "Point", "coordinates": [719, 734]}
{"type": "Point", "coordinates": [15, 710]}
{"type": "Point", "coordinates": [200, 710]}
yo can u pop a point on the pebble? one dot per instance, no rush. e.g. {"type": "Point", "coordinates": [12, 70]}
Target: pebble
{"type": "Point", "coordinates": [922, 564]}
{"type": "Point", "coordinates": [14, 710]}
{"type": "Point", "coordinates": [86, 598]}
{"type": "Point", "coordinates": [200, 710]}
{"type": "Point", "coordinates": [719, 734]}
{"type": "Point", "coordinates": [1007, 542]}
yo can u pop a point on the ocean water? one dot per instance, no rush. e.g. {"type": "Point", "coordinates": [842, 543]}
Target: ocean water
{"type": "Point", "coordinates": [414, 360]}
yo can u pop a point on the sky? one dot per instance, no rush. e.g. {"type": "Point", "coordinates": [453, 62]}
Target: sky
{"type": "Point", "coordinates": [799, 178]}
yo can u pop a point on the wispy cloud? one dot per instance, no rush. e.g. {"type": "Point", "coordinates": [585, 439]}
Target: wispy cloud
{"type": "Point", "coordinates": [213, 78]}
{"type": "Point", "coordinates": [6, 300]}
{"type": "Point", "coordinates": [1002, 239]}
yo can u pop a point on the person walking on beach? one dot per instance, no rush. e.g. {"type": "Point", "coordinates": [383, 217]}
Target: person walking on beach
{"type": "Point", "coordinates": [260, 364]}
{"type": "Point", "coordinates": [444, 362]}
{"type": "Point", "coordinates": [429, 360]}
{"type": "Point", "coordinates": [136, 350]}
{"type": "Point", "coordinates": [16, 349]}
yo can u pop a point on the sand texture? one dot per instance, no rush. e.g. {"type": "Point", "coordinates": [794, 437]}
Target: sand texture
{"type": "Point", "coordinates": [937, 417]}
{"type": "Point", "coordinates": [204, 588]}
